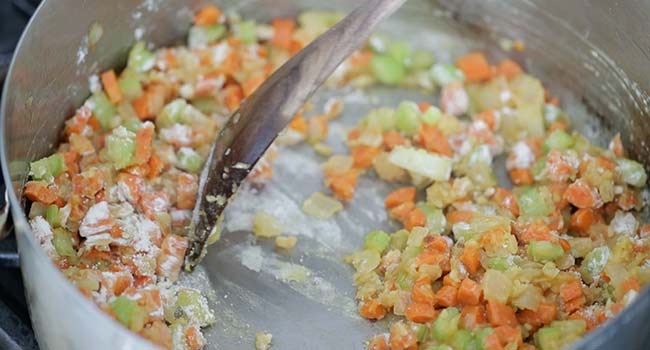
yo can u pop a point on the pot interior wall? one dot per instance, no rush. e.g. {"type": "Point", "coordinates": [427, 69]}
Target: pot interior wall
{"type": "Point", "coordinates": [306, 298]}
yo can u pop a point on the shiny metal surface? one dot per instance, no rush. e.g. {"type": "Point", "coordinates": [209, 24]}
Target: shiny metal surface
{"type": "Point", "coordinates": [593, 53]}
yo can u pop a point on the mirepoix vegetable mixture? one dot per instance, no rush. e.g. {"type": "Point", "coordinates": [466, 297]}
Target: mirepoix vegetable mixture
{"type": "Point", "coordinates": [478, 264]}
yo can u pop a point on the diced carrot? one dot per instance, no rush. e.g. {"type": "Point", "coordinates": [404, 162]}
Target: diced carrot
{"type": "Point", "coordinates": [194, 339]}
{"type": "Point", "coordinates": [152, 203]}
{"type": "Point", "coordinates": [436, 244]}
{"type": "Point", "coordinates": [415, 218]}
{"type": "Point", "coordinates": [283, 32]}
{"type": "Point", "coordinates": [420, 313]}
{"type": "Point", "coordinates": [424, 106]}
{"type": "Point", "coordinates": [509, 335]}
{"type": "Point", "coordinates": [509, 68]}
{"type": "Point", "coordinates": [448, 281]}
{"type": "Point", "coordinates": [422, 291]}
{"type": "Point", "coordinates": [574, 304]}
{"type": "Point", "coordinates": [492, 342]}
{"type": "Point", "coordinates": [537, 231]}
{"type": "Point", "coordinates": [475, 67]}
{"type": "Point", "coordinates": [295, 46]}
{"type": "Point", "coordinates": [521, 177]}
{"type": "Point", "coordinates": [116, 231]}
{"type": "Point", "coordinates": [544, 315]}
{"type": "Point", "coordinates": [187, 186]}
{"type": "Point", "coordinates": [393, 139]}
{"type": "Point", "coordinates": [109, 80]}
{"type": "Point", "coordinates": [399, 196]}
{"type": "Point", "coordinates": [471, 259]}
{"type": "Point", "coordinates": [70, 159]}
{"type": "Point", "coordinates": [159, 333]}
{"type": "Point", "coordinates": [402, 337]}
{"type": "Point", "coordinates": [343, 185]}
{"type": "Point", "coordinates": [471, 316]}
{"type": "Point", "coordinates": [446, 296]}
{"type": "Point", "coordinates": [133, 183]}
{"type": "Point", "coordinates": [94, 123]}
{"type": "Point", "coordinates": [81, 144]}
{"type": "Point", "coordinates": [141, 106]}
{"type": "Point", "coordinates": [616, 146]}
{"type": "Point", "coordinates": [459, 216]}
{"type": "Point", "coordinates": [38, 192]}
{"type": "Point", "coordinates": [401, 211]}
{"type": "Point", "coordinates": [558, 125]}
{"type": "Point", "coordinates": [581, 195]}
{"type": "Point", "coordinates": [644, 231]}
{"type": "Point", "coordinates": [354, 134]}
{"type": "Point", "coordinates": [170, 259]}
{"type": "Point", "coordinates": [156, 166]}
{"type": "Point", "coordinates": [571, 290]}
{"type": "Point", "coordinates": [378, 342]}
{"type": "Point", "coordinates": [488, 117]}
{"type": "Point", "coordinates": [143, 141]}
{"type": "Point", "coordinates": [363, 156]}
{"type": "Point", "coordinates": [361, 58]}
{"type": "Point", "coordinates": [627, 200]}
{"type": "Point", "coordinates": [299, 124]}
{"type": "Point", "coordinates": [207, 16]}
{"type": "Point", "coordinates": [434, 140]}
{"type": "Point", "coordinates": [500, 314]}
{"type": "Point", "coordinates": [629, 284]}
{"type": "Point", "coordinates": [428, 257]}
{"type": "Point", "coordinates": [469, 292]}
{"type": "Point", "coordinates": [234, 95]}
{"type": "Point", "coordinates": [251, 84]}
{"type": "Point", "coordinates": [566, 246]}
{"type": "Point", "coordinates": [506, 200]}
{"type": "Point", "coordinates": [372, 310]}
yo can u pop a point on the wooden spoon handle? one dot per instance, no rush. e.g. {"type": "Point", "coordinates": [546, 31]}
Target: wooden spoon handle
{"type": "Point", "coordinates": [252, 129]}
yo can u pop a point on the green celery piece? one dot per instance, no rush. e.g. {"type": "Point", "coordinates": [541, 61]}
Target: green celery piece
{"type": "Point", "coordinates": [52, 215]}
{"type": "Point", "coordinates": [400, 51]}
{"type": "Point", "coordinates": [132, 124]}
{"type": "Point", "coordinates": [172, 113]}
{"type": "Point", "coordinates": [203, 36]}
{"type": "Point", "coordinates": [47, 168]}
{"type": "Point", "coordinates": [438, 347]}
{"type": "Point", "coordinates": [141, 60]}
{"type": "Point", "coordinates": [206, 105]}
{"type": "Point", "coordinates": [548, 338]}
{"type": "Point", "coordinates": [421, 59]}
{"type": "Point", "coordinates": [538, 166]}
{"type": "Point", "coordinates": [189, 160]}
{"type": "Point", "coordinates": [407, 117]}
{"type": "Point", "coordinates": [62, 242]}
{"type": "Point", "coordinates": [558, 139]}
{"type": "Point", "coordinates": [104, 110]}
{"type": "Point", "coordinates": [120, 147]}
{"type": "Point", "coordinates": [431, 115]}
{"type": "Point", "coordinates": [192, 300]}
{"type": "Point", "coordinates": [130, 84]}
{"type": "Point", "coordinates": [436, 220]}
{"type": "Point", "coordinates": [404, 281]}
{"type": "Point", "coordinates": [533, 203]}
{"type": "Point", "coordinates": [501, 263]}
{"type": "Point", "coordinates": [398, 239]}
{"type": "Point", "coordinates": [377, 241]}
{"type": "Point", "coordinates": [126, 310]}
{"type": "Point", "coordinates": [246, 32]}
{"type": "Point", "coordinates": [480, 336]}
{"type": "Point", "coordinates": [544, 251]}
{"type": "Point", "coordinates": [632, 172]}
{"type": "Point", "coordinates": [462, 339]}
{"type": "Point", "coordinates": [595, 261]}
{"type": "Point", "coordinates": [445, 74]}
{"type": "Point", "coordinates": [559, 334]}
{"type": "Point", "coordinates": [421, 331]}
{"type": "Point", "coordinates": [446, 324]}
{"type": "Point", "coordinates": [381, 119]}
{"type": "Point", "coordinates": [387, 70]}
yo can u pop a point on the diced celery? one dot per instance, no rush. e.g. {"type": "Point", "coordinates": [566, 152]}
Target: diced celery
{"type": "Point", "coordinates": [544, 251]}
{"type": "Point", "coordinates": [480, 224]}
{"type": "Point", "coordinates": [377, 241]}
{"type": "Point", "coordinates": [62, 242]}
{"type": "Point", "coordinates": [171, 113]}
{"type": "Point", "coordinates": [246, 32]}
{"type": "Point", "coordinates": [431, 115]}
{"type": "Point", "coordinates": [580, 246]}
{"type": "Point", "coordinates": [407, 117]}
{"type": "Point", "coordinates": [404, 281]}
{"type": "Point", "coordinates": [387, 70]}
{"type": "Point", "coordinates": [130, 84]}
{"type": "Point", "coordinates": [132, 124]}
{"type": "Point", "coordinates": [191, 301]}
{"type": "Point", "coordinates": [120, 147]}
{"type": "Point", "coordinates": [365, 260]}
{"type": "Point", "coordinates": [559, 334]}
{"type": "Point", "coordinates": [558, 139]}
{"type": "Point", "coordinates": [380, 119]}
{"type": "Point", "coordinates": [411, 252]}
{"type": "Point", "coordinates": [104, 110]}
{"type": "Point", "coordinates": [421, 331]}
{"type": "Point", "coordinates": [594, 262]}
{"type": "Point", "coordinates": [52, 215]}
{"type": "Point", "coordinates": [398, 239]}
{"type": "Point", "coordinates": [445, 74]}
{"type": "Point", "coordinates": [538, 167]}
{"type": "Point", "coordinates": [632, 172]}
{"type": "Point", "coordinates": [446, 324]}
{"type": "Point", "coordinates": [207, 105]}
{"type": "Point", "coordinates": [400, 51]}
{"type": "Point", "coordinates": [534, 202]}
{"type": "Point", "coordinates": [421, 59]}
{"type": "Point", "coordinates": [481, 334]}
{"type": "Point", "coordinates": [420, 162]}
{"type": "Point", "coordinates": [189, 160]}
{"type": "Point", "coordinates": [47, 168]}
{"type": "Point", "coordinates": [462, 339]}
{"type": "Point", "coordinates": [436, 220]}
{"type": "Point", "coordinates": [501, 263]}
{"type": "Point", "coordinates": [200, 36]}
{"type": "Point", "coordinates": [438, 347]}
{"type": "Point", "coordinates": [140, 58]}
{"type": "Point", "coordinates": [129, 313]}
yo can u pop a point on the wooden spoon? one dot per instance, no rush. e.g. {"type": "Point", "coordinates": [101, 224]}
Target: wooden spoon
{"type": "Point", "coordinates": [252, 128]}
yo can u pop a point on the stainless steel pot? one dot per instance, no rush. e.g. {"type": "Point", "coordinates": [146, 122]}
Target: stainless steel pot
{"type": "Point", "coordinates": [593, 53]}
